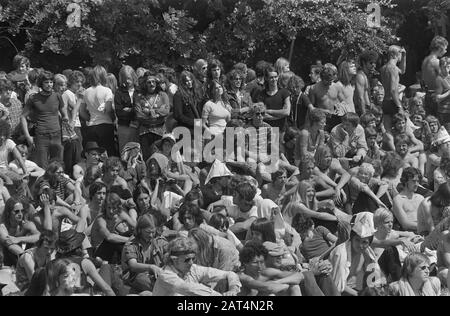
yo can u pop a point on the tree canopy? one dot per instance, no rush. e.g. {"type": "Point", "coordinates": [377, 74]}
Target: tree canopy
{"type": "Point", "coordinates": [145, 32]}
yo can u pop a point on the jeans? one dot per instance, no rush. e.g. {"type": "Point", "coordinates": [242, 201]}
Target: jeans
{"type": "Point", "coordinates": [48, 146]}
{"type": "Point", "coordinates": [103, 134]}
{"type": "Point", "coordinates": [72, 154]}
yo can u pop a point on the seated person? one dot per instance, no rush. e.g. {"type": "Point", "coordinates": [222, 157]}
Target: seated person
{"type": "Point", "coordinates": [277, 188]}
{"type": "Point", "coordinates": [138, 270]}
{"type": "Point", "coordinates": [243, 210]}
{"type": "Point", "coordinates": [313, 137]}
{"type": "Point", "coordinates": [324, 186]}
{"type": "Point", "coordinates": [305, 202]}
{"type": "Point", "coordinates": [390, 246]}
{"type": "Point", "coordinates": [415, 279]}
{"type": "Point", "coordinates": [403, 151]}
{"type": "Point", "coordinates": [362, 188]}
{"type": "Point", "coordinates": [252, 258]}
{"type": "Point", "coordinates": [352, 259]}
{"type": "Point", "coordinates": [441, 174]}
{"type": "Point", "coordinates": [51, 217]}
{"type": "Point", "coordinates": [35, 258]}
{"type": "Point", "coordinates": [373, 150]}
{"type": "Point", "coordinates": [443, 260]}
{"type": "Point", "coordinates": [16, 230]}
{"type": "Point", "coordinates": [401, 127]}
{"type": "Point", "coordinates": [67, 194]}
{"type": "Point", "coordinates": [433, 210]}
{"type": "Point", "coordinates": [316, 242]}
{"type": "Point", "coordinates": [111, 230]}
{"type": "Point", "coordinates": [407, 202]}
{"type": "Point", "coordinates": [348, 139]}
{"type": "Point", "coordinates": [180, 276]}
{"type": "Point", "coordinates": [328, 167]}
{"type": "Point", "coordinates": [33, 169]}
{"type": "Point", "coordinates": [112, 168]}
{"type": "Point", "coordinates": [93, 157]}
{"type": "Point", "coordinates": [392, 166]}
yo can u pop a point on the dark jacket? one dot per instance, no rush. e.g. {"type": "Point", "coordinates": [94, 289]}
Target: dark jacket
{"type": "Point", "coordinates": [122, 100]}
{"type": "Point", "coordinates": [184, 112]}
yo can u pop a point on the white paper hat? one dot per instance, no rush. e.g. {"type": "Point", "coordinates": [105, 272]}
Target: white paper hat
{"type": "Point", "coordinates": [218, 169]}
{"type": "Point", "coordinates": [363, 225]}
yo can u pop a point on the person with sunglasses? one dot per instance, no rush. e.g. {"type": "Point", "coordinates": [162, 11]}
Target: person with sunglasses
{"type": "Point", "coordinates": [16, 231]}
{"type": "Point", "coordinates": [182, 277]}
{"type": "Point", "coordinates": [416, 280]}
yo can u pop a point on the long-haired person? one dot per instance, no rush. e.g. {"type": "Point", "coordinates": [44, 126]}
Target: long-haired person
{"type": "Point", "coordinates": [186, 102]}
{"type": "Point", "coordinates": [152, 108]}
{"type": "Point", "coordinates": [124, 105]}
{"type": "Point", "coordinates": [98, 111]}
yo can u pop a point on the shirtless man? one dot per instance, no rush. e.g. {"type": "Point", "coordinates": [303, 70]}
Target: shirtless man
{"type": "Point", "coordinates": [367, 63]}
{"type": "Point", "coordinates": [252, 257]}
{"type": "Point", "coordinates": [430, 71]}
{"type": "Point", "coordinates": [277, 188]}
{"type": "Point", "coordinates": [407, 202]}
{"type": "Point", "coordinates": [390, 78]}
{"type": "Point", "coordinates": [324, 95]}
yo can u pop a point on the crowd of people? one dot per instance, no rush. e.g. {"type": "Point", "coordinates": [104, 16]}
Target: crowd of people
{"type": "Point", "coordinates": [97, 199]}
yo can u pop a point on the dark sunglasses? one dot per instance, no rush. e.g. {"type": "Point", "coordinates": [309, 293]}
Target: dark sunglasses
{"type": "Point", "coordinates": [187, 260]}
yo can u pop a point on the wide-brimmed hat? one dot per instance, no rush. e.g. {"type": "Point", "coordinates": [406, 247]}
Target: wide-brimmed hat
{"type": "Point", "coordinates": [441, 137]}
{"type": "Point", "coordinates": [92, 146]}
{"type": "Point", "coordinates": [363, 225]}
{"type": "Point", "coordinates": [69, 240]}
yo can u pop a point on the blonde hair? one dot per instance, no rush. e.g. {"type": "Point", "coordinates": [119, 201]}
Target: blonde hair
{"type": "Point", "coordinates": [380, 216]}
{"type": "Point", "coordinates": [125, 72]}
{"type": "Point", "coordinates": [394, 51]}
{"type": "Point", "coordinates": [280, 64]}
{"type": "Point", "coordinates": [59, 78]}
{"type": "Point", "coordinates": [367, 168]}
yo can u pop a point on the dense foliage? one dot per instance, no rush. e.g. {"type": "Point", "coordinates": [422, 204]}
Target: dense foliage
{"type": "Point", "coordinates": [145, 32]}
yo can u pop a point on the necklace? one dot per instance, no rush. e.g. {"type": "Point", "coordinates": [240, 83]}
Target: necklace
{"type": "Point", "coordinates": [150, 104]}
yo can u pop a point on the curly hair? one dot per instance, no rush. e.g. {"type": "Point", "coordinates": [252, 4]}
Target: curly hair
{"type": "Point", "coordinates": [409, 174]}
{"type": "Point", "coordinates": [252, 250]}
{"type": "Point", "coordinates": [9, 209]}
{"type": "Point", "coordinates": [44, 76]}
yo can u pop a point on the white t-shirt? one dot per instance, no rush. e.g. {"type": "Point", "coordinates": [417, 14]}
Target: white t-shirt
{"type": "Point", "coordinates": [216, 115]}
{"type": "Point", "coordinates": [70, 101]}
{"type": "Point", "coordinates": [96, 99]}
{"type": "Point", "coordinates": [5, 150]}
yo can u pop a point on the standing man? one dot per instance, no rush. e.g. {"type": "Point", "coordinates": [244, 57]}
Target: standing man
{"type": "Point", "coordinates": [45, 107]}
{"type": "Point", "coordinates": [390, 78]}
{"type": "Point", "coordinates": [367, 63]}
{"type": "Point", "coordinates": [430, 71]}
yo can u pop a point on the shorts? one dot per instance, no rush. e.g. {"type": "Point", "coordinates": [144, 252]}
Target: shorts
{"type": "Point", "coordinates": [389, 107]}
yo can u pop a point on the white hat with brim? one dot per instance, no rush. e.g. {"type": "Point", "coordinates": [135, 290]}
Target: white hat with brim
{"type": "Point", "coordinates": [218, 169]}
{"type": "Point", "coordinates": [442, 137]}
{"type": "Point", "coordinates": [363, 225]}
